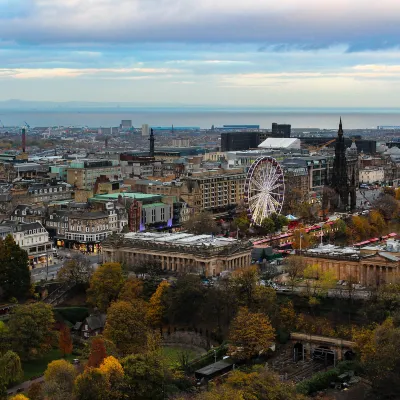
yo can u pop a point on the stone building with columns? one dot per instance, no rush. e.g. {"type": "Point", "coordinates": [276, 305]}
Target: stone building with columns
{"type": "Point", "coordinates": [366, 267]}
{"type": "Point", "coordinates": [178, 252]}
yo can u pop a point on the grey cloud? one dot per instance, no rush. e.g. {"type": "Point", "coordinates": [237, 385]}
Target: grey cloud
{"type": "Point", "coordinates": [270, 30]}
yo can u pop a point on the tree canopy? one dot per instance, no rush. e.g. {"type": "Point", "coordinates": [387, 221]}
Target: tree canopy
{"type": "Point", "coordinates": [201, 223]}
{"type": "Point", "coordinates": [126, 326]}
{"type": "Point", "coordinates": [31, 326]}
{"type": "Point", "coordinates": [105, 285]}
{"type": "Point", "coordinates": [250, 334]}
{"type": "Point", "coordinates": [76, 270]}
{"type": "Point", "coordinates": [15, 278]}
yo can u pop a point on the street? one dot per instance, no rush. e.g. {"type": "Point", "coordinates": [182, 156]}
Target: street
{"type": "Point", "coordinates": [39, 274]}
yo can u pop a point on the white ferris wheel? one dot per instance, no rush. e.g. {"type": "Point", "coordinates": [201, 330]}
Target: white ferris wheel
{"type": "Point", "coordinates": [264, 189]}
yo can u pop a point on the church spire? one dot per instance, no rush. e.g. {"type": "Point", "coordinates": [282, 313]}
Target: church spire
{"type": "Point", "coordinates": [340, 131]}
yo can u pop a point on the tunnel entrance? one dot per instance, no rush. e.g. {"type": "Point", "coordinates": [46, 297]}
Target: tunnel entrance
{"type": "Point", "coordinates": [298, 352]}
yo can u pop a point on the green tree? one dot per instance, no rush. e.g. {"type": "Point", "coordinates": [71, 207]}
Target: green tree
{"type": "Point", "coordinates": [31, 326]}
{"type": "Point", "coordinates": [92, 385]}
{"type": "Point", "coordinates": [145, 376]}
{"type": "Point", "coordinates": [250, 334]}
{"type": "Point", "coordinates": [5, 338]}
{"type": "Point", "coordinates": [59, 380]}
{"type": "Point", "coordinates": [279, 221]}
{"type": "Point", "coordinates": [105, 285]}
{"type": "Point", "coordinates": [268, 225]}
{"type": "Point", "coordinates": [242, 222]}
{"type": "Point", "coordinates": [15, 278]}
{"type": "Point", "coordinates": [10, 368]}
{"type": "Point", "coordinates": [186, 299]}
{"type": "Point", "coordinates": [126, 327]}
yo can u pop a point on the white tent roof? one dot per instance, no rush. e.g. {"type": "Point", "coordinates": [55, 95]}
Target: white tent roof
{"type": "Point", "coordinates": [279, 143]}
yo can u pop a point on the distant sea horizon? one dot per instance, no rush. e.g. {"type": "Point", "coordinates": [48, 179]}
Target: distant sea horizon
{"type": "Point", "coordinates": [199, 116]}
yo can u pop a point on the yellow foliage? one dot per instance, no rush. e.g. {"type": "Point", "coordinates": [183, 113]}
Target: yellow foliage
{"type": "Point", "coordinates": [156, 305]}
{"type": "Point", "coordinates": [287, 316]}
{"type": "Point", "coordinates": [58, 368]}
{"type": "Point", "coordinates": [112, 369]}
{"type": "Point", "coordinates": [132, 290]}
{"type": "Point", "coordinates": [250, 334]}
{"type": "Point", "coordinates": [19, 397]}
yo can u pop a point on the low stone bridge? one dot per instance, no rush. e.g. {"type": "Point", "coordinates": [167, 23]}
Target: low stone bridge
{"type": "Point", "coordinates": [329, 350]}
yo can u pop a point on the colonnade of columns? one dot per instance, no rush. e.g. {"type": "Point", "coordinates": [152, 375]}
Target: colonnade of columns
{"type": "Point", "coordinates": [179, 262]}
{"type": "Point", "coordinates": [367, 273]}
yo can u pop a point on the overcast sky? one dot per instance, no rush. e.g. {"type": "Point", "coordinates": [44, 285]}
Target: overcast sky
{"type": "Point", "coordinates": [295, 53]}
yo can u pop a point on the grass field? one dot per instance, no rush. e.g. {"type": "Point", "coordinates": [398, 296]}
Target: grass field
{"type": "Point", "coordinates": [172, 353]}
{"type": "Point", "coordinates": [37, 367]}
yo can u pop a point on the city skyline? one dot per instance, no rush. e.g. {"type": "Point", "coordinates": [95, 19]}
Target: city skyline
{"type": "Point", "coordinates": [342, 53]}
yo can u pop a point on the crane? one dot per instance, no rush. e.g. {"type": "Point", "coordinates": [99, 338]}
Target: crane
{"type": "Point", "coordinates": [318, 148]}
{"type": "Point", "coordinates": [27, 125]}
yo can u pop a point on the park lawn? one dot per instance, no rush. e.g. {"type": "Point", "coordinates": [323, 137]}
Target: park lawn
{"type": "Point", "coordinates": [36, 368]}
{"type": "Point", "coordinates": [172, 353]}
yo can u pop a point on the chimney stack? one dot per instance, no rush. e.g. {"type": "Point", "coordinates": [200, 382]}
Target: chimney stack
{"type": "Point", "coordinates": [23, 140]}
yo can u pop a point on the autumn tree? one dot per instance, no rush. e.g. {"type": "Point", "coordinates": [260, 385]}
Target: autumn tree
{"type": "Point", "coordinates": [302, 240]}
{"type": "Point", "coordinates": [92, 385]}
{"type": "Point", "coordinates": [35, 391]}
{"type": "Point", "coordinates": [15, 278]}
{"type": "Point", "coordinates": [262, 384]}
{"type": "Point", "coordinates": [19, 396]}
{"type": "Point", "coordinates": [31, 326]}
{"type": "Point", "coordinates": [65, 340]}
{"type": "Point", "coordinates": [111, 349]}
{"type": "Point", "coordinates": [317, 282]}
{"type": "Point", "coordinates": [132, 290]}
{"type": "Point", "coordinates": [157, 305]}
{"type": "Point", "coordinates": [378, 347]}
{"type": "Point", "coordinates": [377, 222]}
{"type": "Point", "coordinates": [201, 223]}
{"type": "Point", "coordinates": [112, 369]}
{"type": "Point", "coordinates": [250, 334]}
{"type": "Point", "coordinates": [97, 353]}
{"type": "Point", "coordinates": [78, 270]}
{"type": "Point", "coordinates": [126, 326]}
{"type": "Point", "coordinates": [105, 285]}
{"type": "Point", "coordinates": [287, 316]}
{"type": "Point", "coordinates": [59, 380]}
